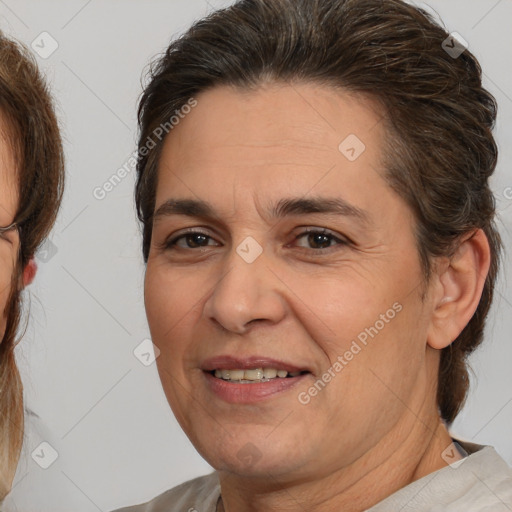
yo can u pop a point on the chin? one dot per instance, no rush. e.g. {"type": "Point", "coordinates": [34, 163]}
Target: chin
{"type": "Point", "coordinates": [253, 465]}
{"type": "Point", "coordinates": [255, 455]}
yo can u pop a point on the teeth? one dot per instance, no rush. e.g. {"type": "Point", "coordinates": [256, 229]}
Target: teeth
{"type": "Point", "coordinates": [254, 374]}
{"type": "Point", "coordinates": [269, 373]}
{"type": "Point", "coordinates": [233, 374]}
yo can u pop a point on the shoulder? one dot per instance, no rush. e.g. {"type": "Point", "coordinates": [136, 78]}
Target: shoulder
{"type": "Point", "coordinates": [199, 494]}
{"type": "Point", "coordinates": [481, 482]}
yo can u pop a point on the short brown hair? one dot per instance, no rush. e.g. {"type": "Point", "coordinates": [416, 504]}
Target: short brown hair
{"type": "Point", "coordinates": [439, 151]}
{"type": "Point", "coordinates": [33, 135]}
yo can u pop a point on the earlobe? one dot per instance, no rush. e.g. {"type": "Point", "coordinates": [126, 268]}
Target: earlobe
{"type": "Point", "coordinates": [29, 272]}
{"type": "Point", "coordinates": [459, 289]}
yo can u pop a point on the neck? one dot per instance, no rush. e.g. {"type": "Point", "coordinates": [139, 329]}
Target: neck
{"type": "Point", "coordinates": [392, 464]}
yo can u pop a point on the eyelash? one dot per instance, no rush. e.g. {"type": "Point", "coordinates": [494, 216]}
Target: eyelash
{"type": "Point", "coordinates": [170, 244]}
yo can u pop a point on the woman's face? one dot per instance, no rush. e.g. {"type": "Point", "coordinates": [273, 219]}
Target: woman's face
{"type": "Point", "coordinates": [9, 241]}
{"type": "Point", "coordinates": [250, 288]}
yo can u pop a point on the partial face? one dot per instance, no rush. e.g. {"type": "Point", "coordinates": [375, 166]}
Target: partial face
{"type": "Point", "coordinates": [304, 262]}
{"type": "Point", "coordinates": [9, 241]}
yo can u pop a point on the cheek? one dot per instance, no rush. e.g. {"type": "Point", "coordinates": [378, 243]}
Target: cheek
{"type": "Point", "coordinates": [338, 307]}
{"type": "Point", "coordinates": [376, 326]}
{"type": "Point", "coordinates": [4, 295]}
{"type": "Point", "coordinates": [5, 289]}
{"type": "Point", "coordinates": [169, 300]}
{"type": "Point", "coordinates": [166, 298]}
{"type": "Point", "coordinates": [172, 302]}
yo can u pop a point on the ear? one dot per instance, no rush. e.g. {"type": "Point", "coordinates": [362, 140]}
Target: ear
{"type": "Point", "coordinates": [458, 289]}
{"type": "Point", "coordinates": [29, 272]}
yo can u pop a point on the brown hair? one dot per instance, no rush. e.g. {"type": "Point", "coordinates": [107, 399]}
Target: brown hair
{"type": "Point", "coordinates": [439, 151]}
{"type": "Point", "coordinates": [33, 135]}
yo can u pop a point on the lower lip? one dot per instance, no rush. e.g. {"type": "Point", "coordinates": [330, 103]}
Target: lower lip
{"type": "Point", "coordinates": [249, 393]}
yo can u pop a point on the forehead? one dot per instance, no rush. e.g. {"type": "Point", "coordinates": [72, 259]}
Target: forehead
{"type": "Point", "coordinates": [8, 174]}
{"type": "Point", "coordinates": [297, 115]}
{"type": "Point", "coordinates": [7, 159]}
{"type": "Point", "coordinates": [303, 135]}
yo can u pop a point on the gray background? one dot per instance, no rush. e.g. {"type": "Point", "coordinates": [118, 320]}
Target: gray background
{"type": "Point", "coordinates": [95, 403]}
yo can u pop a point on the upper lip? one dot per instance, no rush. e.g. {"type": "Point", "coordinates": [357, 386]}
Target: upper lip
{"type": "Point", "coordinates": [228, 362]}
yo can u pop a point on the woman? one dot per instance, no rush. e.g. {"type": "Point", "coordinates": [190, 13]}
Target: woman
{"type": "Point", "coordinates": [321, 256]}
{"type": "Point", "coordinates": [31, 185]}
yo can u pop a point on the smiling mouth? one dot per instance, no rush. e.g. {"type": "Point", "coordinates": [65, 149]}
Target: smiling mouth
{"type": "Point", "coordinates": [254, 375]}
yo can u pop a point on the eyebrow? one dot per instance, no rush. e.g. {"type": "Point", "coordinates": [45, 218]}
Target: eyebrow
{"type": "Point", "coordinates": [282, 208]}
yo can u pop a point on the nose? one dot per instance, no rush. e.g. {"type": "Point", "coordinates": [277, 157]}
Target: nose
{"type": "Point", "coordinates": [246, 292]}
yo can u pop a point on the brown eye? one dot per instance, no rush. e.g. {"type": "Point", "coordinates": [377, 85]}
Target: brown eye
{"type": "Point", "coordinates": [192, 240]}
{"type": "Point", "coordinates": [320, 239]}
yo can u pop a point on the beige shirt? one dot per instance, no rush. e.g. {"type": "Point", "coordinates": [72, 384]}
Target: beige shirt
{"type": "Point", "coordinates": [481, 482]}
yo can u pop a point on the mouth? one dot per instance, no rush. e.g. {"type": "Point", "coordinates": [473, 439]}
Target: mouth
{"type": "Point", "coordinates": [254, 375]}
{"type": "Point", "coordinates": [251, 379]}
